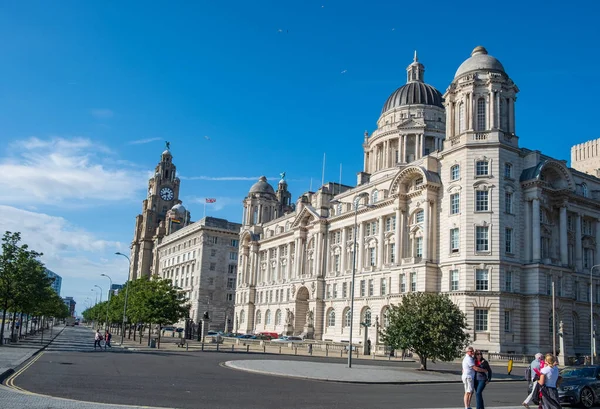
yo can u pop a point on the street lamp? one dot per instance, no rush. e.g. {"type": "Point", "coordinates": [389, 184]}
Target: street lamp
{"type": "Point", "coordinates": [108, 297]}
{"type": "Point", "coordinates": [95, 292]}
{"type": "Point", "coordinates": [126, 293]}
{"type": "Point", "coordinates": [592, 340]}
{"type": "Point", "coordinates": [96, 285]}
{"type": "Point", "coordinates": [357, 205]}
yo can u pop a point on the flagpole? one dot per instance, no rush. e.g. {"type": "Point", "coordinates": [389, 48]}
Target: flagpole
{"type": "Point", "coordinates": [204, 209]}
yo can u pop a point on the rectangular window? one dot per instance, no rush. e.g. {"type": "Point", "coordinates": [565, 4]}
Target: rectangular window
{"type": "Point", "coordinates": [454, 240]}
{"type": "Point", "coordinates": [328, 292]}
{"type": "Point", "coordinates": [229, 297]}
{"type": "Point", "coordinates": [372, 259]}
{"type": "Point", "coordinates": [481, 238]}
{"type": "Point", "coordinates": [402, 283]}
{"type": "Point", "coordinates": [392, 257]}
{"type": "Point", "coordinates": [588, 258]}
{"type": "Point", "coordinates": [231, 283]}
{"type": "Point", "coordinates": [232, 269]}
{"type": "Point", "coordinates": [481, 201]}
{"type": "Point", "coordinates": [383, 286]}
{"type": "Point", "coordinates": [234, 242]}
{"type": "Point", "coordinates": [413, 282]}
{"type": "Point", "coordinates": [213, 239]}
{"type": "Point", "coordinates": [508, 203]}
{"type": "Point", "coordinates": [508, 278]}
{"type": "Point", "coordinates": [420, 216]}
{"type": "Point", "coordinates": [233, 255]}
{"type": "Point", "coordinates": [507, 323]}
{"type": "Point", "coordinates": [344, 290]}
{"type": "Point", "coordinates": [362, 288]}
{"type": "Point", "coordinates": [336, 262]}
{"type": "Point", "coordinates": [390, 223]}
{"type": "Point", "coordinates": [455, 203]}
{"type": "Point", "coordinates": [481, 320]}
{"type": "Point", "coordinates": [481, 280]}
{"type": "Point", "coordinates": [453, 280]}
{"type": "Point", "coordinates": [419, 249]}
{"type": "Point", "coordinates": [455, 172]}
{"type": "Point", "coordinates": [371, 287]}
{"type": "Point", "coordinates": [481, 168]}
{"type": "Point", "coordinates": [213, 266]}
{"type": "Point", "coordinates": [213, 252]}
{"type": "Point", "coordinates": [334, 293]}
{"type": "Point", "coordinates": [508, 240]}
{"type": "Point", "coordinates": [508, 170]}
{"type": "Point", "coordinates": [570, 223]}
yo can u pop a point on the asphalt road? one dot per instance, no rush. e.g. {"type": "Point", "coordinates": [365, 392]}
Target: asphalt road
{"type": "Point", "coordinates": [192, 380]}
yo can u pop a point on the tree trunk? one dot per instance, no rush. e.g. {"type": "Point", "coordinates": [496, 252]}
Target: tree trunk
{"type": "Point", "coordinates": [20, 325]}
{"type": "Point", "coordinates": [149, 333]}
{"type": "Point", "coordinates": [27, 326]}
{"type": "Point", "coordinates": [423, 362]}
{"type": "Point", "coordinates": [12, 327]}
{"type": "Point", "coordinates": [3, 321]}
{"type": "Point", "coordinates": [158, 346]}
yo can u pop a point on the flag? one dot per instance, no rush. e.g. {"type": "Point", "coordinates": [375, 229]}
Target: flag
{"type": "Point", "coordinates": [210, 200]}
{"type": "Point", "coordinates": [175, 221]}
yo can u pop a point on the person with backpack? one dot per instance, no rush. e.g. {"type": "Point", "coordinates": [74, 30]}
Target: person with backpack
{"type": "Point", "coordinates": [532, 374]}
{"type": "Point", "coordinates": [107, 338]}
{"type": "Point", "coordinates": [97, 339]}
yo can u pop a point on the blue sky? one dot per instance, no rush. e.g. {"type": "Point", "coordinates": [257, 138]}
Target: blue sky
{"type": "Point", "coordinates": [90, 92]}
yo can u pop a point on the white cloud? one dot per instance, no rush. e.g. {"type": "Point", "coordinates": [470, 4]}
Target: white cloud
{"type": "Point", "coordinates": [144, 141]}
{"type": "Point", "coordinates": [102, 113]}
{"type": "Point", "coordinates": [65, 171]}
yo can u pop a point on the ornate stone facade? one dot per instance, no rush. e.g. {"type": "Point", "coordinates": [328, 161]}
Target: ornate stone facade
{"type": "Point", "coordinates": [447, 202]}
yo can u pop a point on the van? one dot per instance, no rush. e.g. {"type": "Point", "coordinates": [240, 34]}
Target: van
{"type": "Point", "coordinates": [270, 335]}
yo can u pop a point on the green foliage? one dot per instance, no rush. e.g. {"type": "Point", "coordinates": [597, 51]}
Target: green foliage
{"type": "Point", "coordinates": [430, 325]}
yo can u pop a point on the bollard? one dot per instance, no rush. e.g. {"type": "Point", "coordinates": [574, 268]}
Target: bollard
{"type": "Point", "coordinates": [341, 353]}
{"type": "Point", "coordinates": [217, 345]}
{"type": "Point", "coordinates": [373, 356]}
{"type": "Point", "coordinates": [232, 347]}
{"type": "Point", "coordinates": [187, 346]}
{"type": "Point", "coordinates": [295, 350]}
{"type": "Point", "coordinates": [279, 349]}
{"type": "Point", "coordinates": [248, 348]}
{"type": "Point", "coordinates": [326, 350]}
{"type": "Point", "coordinates": [202, 346]}
{"type": "Point", "coordinates": [356, 352]}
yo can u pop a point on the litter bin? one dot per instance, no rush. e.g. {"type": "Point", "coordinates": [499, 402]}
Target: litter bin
{"type": "Point", "coordinates": [14, 338]}
{"type": "Point", "coordinates": [153, 343]}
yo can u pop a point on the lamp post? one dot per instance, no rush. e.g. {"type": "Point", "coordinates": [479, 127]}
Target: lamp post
{"type": "Point", "coordinates": [96, 293]}
{"type": "Point", "coordinates": [96, 285]}
{"type": "Point", "coordinates": [357, 205]}
{"type": "Point", "coordinates": [108, 297]}
{"type": "Point", "coordinates": [592, 338]}
{"type": "Point", "coordinates": [126, 293]}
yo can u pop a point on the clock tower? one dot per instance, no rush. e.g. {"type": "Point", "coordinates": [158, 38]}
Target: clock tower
{"type": "Point", "coordinates": [163, 193]}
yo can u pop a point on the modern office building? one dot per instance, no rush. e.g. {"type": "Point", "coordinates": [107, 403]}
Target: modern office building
{"type": "Point", "coordinates": [57, 281]}
{"type": "Point", "coordinates": [447, 202]}
{"type": "Point", "coordinates": [70, 302]}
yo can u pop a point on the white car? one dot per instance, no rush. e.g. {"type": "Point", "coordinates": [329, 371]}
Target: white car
{"type": "Point", "coordinates": [290, 339]}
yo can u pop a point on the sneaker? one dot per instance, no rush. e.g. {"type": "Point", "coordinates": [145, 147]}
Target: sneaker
{"type": "Point", "coordinates": [525, 404]}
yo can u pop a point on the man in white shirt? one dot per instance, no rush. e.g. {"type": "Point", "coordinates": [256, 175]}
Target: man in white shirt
{"type": "Point", "coordinates": [468, 373]}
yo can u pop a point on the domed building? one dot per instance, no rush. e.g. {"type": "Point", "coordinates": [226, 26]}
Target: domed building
{"type": "Point", "coordinates": [447, 202]}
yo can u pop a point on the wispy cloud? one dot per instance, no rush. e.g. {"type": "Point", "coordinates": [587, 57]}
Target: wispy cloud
{"type": "Point", "coordinates": [65, 171]}
{"type": "Point", "coordinates": [224, 178]}
{"type": "Point", "coordinates": [143, 141]}
{"type": "Point", "coordinates": [102, 113]}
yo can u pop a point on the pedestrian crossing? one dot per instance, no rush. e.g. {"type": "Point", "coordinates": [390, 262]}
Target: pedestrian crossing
{"type": "Point", "coordinates": [76, 339]}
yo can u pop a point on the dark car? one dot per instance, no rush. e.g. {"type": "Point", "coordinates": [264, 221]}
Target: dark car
{"type": "Point", "coordinates": [580, 386]}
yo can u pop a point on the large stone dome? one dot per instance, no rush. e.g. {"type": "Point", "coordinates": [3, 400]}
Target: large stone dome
{"type": "Point", "coordinates": [262, 186]}
{"type": "Point", "coordinates": [415, 91]}
{"type": "Point", "coordinates": [479, 60]}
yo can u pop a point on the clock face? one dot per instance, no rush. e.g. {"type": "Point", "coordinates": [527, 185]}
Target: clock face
{"type": "Point", "coordinates": [166, 193]}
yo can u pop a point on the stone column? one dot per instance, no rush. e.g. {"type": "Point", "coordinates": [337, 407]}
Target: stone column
{"type": "Point", "coordinates": [320, 267]}
{"type": "Point", "coordinates": [564, 253]}
{"type": "Point", "coordinates": [511, 113]}
{"type": "Point", "coordinates": [278, 265]}
{"type": "Point", "coordinates": [343, 254]}
{"type": "Point", "coordinates": [360, 247]}
{"type": "Point", "coordinates": [426, 230]}
{"type": "Point", "coordinates": [403, 159]}
{"type": "Point", "coordinates": [578, 248]}
{"type": "Point", "coordinates": [399, 232]}
{"type": "Point", "coordinates": [535, 231]}
{"type": "Point", "coordinates": [492, 110]}
{"type": "Point", "coordinates": [527, 232]}
{"type": "Point", "coordinates": [452, 119]}
{"type": "Point", "coordinates": [366, 161]}
{"type": "Point", "coordinates": [296, 258]}
{"type": "Point", "coordinates": [597, 258]}
{"type": "Point", "coordinates": [380, 250]}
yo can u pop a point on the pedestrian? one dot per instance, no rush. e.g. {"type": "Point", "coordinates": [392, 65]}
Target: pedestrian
{"type": "Point", "coordinates": [548, 381]}
{"type": "Point", "coordinates": [533, 386]}
{"type": "Point", "coordinates": [481, 378]}
{"type": "Point", "coordinates": [107, 338]}
{"type": "Point", "coordinates": [468, 374]}
{"type": "Point", "coordinates": [97, 339]}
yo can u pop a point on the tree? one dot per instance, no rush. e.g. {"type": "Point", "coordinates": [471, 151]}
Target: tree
{"type": "Point", "coordinates": [429, 324]}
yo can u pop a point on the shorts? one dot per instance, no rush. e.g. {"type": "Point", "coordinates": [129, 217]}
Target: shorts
{"type": "Point", "coordinates": [468, 382]}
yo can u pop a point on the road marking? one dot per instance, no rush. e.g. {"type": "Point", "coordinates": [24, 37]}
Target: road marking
{"type": "Point", "coordinates": [11, 379]}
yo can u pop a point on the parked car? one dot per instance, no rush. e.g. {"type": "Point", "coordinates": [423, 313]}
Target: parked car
{"type": "Point", "coordinates": [288, 339]}
{"type": "Point", "coordinates": [580, 386]}
{"type": "Point", "coordinates": [245, 336]}
{"type": "Point", "coordinates": [212, 333]}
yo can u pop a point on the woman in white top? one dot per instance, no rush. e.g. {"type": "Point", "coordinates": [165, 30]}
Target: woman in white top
{"type": "Point", "coordinates": [548, 381]}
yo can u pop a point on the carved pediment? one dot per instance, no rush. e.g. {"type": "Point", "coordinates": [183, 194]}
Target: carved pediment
{"type": "Point", "coordinates": [412, 123]}
{"type": "Point", "coordinates": [306, 216]}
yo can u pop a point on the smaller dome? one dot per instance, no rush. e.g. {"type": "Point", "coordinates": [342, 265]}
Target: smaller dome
{"type": "Point", "coordinates": [178, 209]}
{"type": "Point", "coordinates": [479, 60]}
{"type": "Point", "coordinates": [414, 93]}
{"type": "Point", "coordinates": [262, 186]}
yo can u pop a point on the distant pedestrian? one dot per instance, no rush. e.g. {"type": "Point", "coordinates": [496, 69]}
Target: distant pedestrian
{"type": "Point", "coordinates": [107, 339]}
{"type": "Point", "coordinates": [481, 378]}
{"type": "Point", "coordinates": [97, 339]}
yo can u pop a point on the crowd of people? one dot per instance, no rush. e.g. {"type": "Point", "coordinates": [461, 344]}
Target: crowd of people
{"type": "Point", "coordinates": [477, 373]}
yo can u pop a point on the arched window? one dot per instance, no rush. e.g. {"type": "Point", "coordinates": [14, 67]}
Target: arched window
{"type": "Point", "coordinates": [461, 117]}
{"type": "Point", "coordinates": [481, 124]}
{"type": "Point", "coordinates": [347, 317]}
{"type": "Point", "coordinates": [356, 203]}
{"type": "Point", "coordinates": [455, 172]}
{"type": "Point", "coordinates": [258, 317]}
{"type": "Point", "coordinates": [584, 190]}
{"type": "Point", "coordinates": [374, 196]}
{"type": "Point", "coordinates": [367, 317]}
{"type": "Point", "coordinates": [268, 317]}
{"type": "Point", "coordinates": [278, 317]}
{"type": "Point", "coordinates": [331, 318]}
